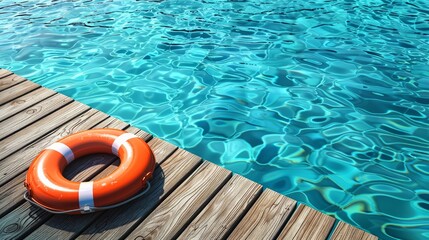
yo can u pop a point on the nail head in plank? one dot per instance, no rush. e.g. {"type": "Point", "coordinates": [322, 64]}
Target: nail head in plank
{"type": "Point", "coordinates": [115, 223]}
{"type": "Point", "coordinates": [266, 217]}
{"type": "Point", "coordinates": [345, 231]}
{"type": "Point", "coordinates": [17, 91]}
{"type": "Point", "coordinates": [13, 107]}
{"type": "Point", "coordinates": [221, 215]}
{"type": "Point", "coordinates": [9, 81]}
{"type": "Point", "coordinates": [307, 223]}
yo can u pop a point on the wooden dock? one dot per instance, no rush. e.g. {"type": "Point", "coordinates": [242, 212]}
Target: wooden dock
{"type": "Point", "coordinates": [189, 199]}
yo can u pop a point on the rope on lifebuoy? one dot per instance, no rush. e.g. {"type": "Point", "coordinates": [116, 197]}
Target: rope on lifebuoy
{"type": "Point", "coordinates": [88, 209]}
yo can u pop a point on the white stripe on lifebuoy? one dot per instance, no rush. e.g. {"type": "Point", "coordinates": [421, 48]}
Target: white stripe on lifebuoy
{"type": "Point", "coordinates": [64, 150]}
{"type": "Point", "coordinates": [120, 140]}
{"type": "Point", "coordinates": [86, 195]}
{"type": "Point", "coordinates": [45, 181]}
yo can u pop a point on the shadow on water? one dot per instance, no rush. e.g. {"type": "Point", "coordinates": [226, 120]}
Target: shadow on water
{"type": "Point", "coordinates": [107, 219]}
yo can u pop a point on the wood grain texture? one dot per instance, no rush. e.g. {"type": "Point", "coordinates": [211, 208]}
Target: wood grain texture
{"type": "Point", "coordinates": [33, 132]}
{"type": "Point", "coordinates": [5, 73]}
{"type": "Point", "coordinates": [9, 81]}
{"type": "Point", "coordinates": [65, 227]}
{"type": "Point", "coordinates": [31, 140]}
{"type": "Point", "coordinates": [307, 223]}
{"type": "Point", "coordinates": [265, 219]}
{"type": "Point", "coordinates": [161, 149]}
{"type": "Point", "coordinates": [116, 223]}
{"type": "Point", "coordinates": [345, 231]}
{"type": "Point", "coordinates": [11, 194]}
{"type": "Point", "coordinates": [222, 214]}
{"type": "Point", "coordinates": [20, 220]}
{"type": "Point", "coordinates": [17, 91]}
{"type": "Point", "coordinates": [173, 214]}
{"type": "Point", "coordinates": [32, 114]}
{"type": "Point", "coordinates": [15, 106]}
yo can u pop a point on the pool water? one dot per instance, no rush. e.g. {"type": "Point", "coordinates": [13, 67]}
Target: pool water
{"type": "Point", "coordinates": [325, 101]}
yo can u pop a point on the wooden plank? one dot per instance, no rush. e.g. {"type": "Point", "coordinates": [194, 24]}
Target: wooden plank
{"type": "Point", "coordinates": [161, 149]}
{"type": "Point", "coordinates": [33, 114]}
{"type": "Point", "coordinates": [173, 214]}
{"type": "Point", "coordinates": [307, 223]}
{"type": "Point", "coordinates": [16, 163]}
{"type": "Point", "coordinates": [115, 223]}
{"type": "Point", "coordinates": [30, 133]}
{"type": "Point", "coordinates": [9, 81]}
{"type": "Point", "coordinates": [5, 73]}
{"type": "Point", "coordinates": [62, 227]}
{"type": "Point", "coordinates": [17, 91]}
{"type": "Point", "coordinates": [11, 196]}
{"type": "Point", "coordinates": [13, 107]}
{"type": "Point", "coordinates": [222, 214]}
{"type": "Point", "coordinates": [266, 218]}
{"type": "Point", "coordinates": [345, 231]}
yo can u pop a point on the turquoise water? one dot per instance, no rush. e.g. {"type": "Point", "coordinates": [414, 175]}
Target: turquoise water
{"type": "Point", "coordinates": [324, 101]}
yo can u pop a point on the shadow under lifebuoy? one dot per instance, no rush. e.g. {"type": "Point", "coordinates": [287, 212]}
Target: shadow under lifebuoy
{"type": "Point", "coordinates": [94, 167]}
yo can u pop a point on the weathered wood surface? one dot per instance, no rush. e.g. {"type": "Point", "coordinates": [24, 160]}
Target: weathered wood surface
{"type": "Point", "coordinates": [189, 198]}
{"type": "Point", "coordinates": [5, 73]}
{"type": "Point", "coordinates": [12, 165]}
{"type": "Point", "coordinates": [11, 108]}
{"type": "Point", "coordinates": [266, 218]}
{"type": "Point", "coordinates": [33, 113]}
{"type": "Point", "coordinates": [345, 231]}
{"type": "Point", "coordinates": [9, 81]}
{"type": "Point", "coordinates": [36, 130]}
{"type": "Point", "coordinates": [17, 91]}
{"type": "Point", "coordinates": [307, 223]}
{"type": "Point", "coordinates": [218, 219]}
{"type": "Point", "coordinates": [173, 214]}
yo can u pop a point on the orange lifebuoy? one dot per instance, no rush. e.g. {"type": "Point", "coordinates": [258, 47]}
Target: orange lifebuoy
{"type": "Point", "coordinates": [47, 187]}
